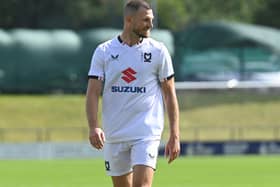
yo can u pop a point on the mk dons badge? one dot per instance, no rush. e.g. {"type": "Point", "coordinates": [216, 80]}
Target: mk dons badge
{"type": "Point", "coordinates": [148, 57]}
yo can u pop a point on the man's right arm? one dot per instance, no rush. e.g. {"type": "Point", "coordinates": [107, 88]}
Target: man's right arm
{"type": "Point", "coordinates": [96, 135]}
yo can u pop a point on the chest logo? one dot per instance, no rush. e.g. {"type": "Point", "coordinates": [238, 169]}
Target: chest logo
{"type": "Point", "coordinates": [128, 75]}
{"type": "Point", "coordinates": [148, 57]}
{"type": "Point", "coordinates": [114, 57]}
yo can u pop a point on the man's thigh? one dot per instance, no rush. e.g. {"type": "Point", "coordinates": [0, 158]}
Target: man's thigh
{"type": "Point", "coordinates": [142, 176]}
{"type": "Point", "coordinates": [122, 181]}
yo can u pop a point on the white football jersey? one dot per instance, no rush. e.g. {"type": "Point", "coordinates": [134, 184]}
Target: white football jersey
{"type": "Point", "coordinates": [133, 105]}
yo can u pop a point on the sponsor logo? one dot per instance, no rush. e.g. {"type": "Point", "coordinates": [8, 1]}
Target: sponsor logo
{"type": "Point", "coordinates": [128, 75]}
{"type": "Point", "coordinates": [107, 166]}
{"type": "Point", "coordinates": [114, 57]}
{"type": "Point", "coordinates": [128, 89]}
{"type": "Point", "coordinates": [151, 155]}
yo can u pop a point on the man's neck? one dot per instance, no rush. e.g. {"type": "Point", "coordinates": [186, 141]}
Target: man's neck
{"type": "Point", "coordinates": [130, 39]}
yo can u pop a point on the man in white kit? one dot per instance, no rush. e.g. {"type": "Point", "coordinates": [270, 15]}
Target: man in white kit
{"type": "Point", "coordinates": [138, 79]}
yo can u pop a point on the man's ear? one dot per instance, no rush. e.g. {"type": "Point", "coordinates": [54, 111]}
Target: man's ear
{"type": "Point", "coordinates": [128, 19]}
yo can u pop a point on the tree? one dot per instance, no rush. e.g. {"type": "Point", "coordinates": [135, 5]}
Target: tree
{"type": "Point", "coordinates": [269, 14]}
{"type": "Point", "coordinates": [171, 14]}
{"type": "Point", "coordinates": [237, 10]}
{"type": "Point", "coordinates": [175, 15]}
{"type": "Point", "coordinates": [57, 13]}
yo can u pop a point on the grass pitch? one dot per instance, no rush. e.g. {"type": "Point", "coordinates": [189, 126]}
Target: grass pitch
{"type": "Point", "coordinates": [229, 171]}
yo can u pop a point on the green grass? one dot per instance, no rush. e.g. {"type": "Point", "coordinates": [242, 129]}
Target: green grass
{"type": "Point", "coordinates": [208, 108]}
{"type": "Point", "coordinates": [237, 171]}
{"type": "Point", "coordinates": [247, 108]}
{"type": "Point", "coordinates": [196, 108]}
{"type": "Point", "coordinates": [42, 111]}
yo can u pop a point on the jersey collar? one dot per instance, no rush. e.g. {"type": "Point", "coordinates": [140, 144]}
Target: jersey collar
{"type": "Point", "coordinates": [121, 41]}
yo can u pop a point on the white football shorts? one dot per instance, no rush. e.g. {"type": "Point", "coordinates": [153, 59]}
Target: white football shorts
{"type": "Point", "coordinates": [120, 158]}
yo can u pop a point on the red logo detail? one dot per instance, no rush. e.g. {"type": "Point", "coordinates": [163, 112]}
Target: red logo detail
{"type": "Point", "coordinates": [128, 75]}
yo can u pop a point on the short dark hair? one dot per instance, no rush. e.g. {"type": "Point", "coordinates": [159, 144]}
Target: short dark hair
{"type": "Point", "coordinates": [133, 6]}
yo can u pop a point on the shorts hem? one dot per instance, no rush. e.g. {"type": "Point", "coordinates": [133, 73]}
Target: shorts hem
{"type": "Point", "coordinates": [114, 174]}
{"type": "Point", "coordinates": [147, 165]}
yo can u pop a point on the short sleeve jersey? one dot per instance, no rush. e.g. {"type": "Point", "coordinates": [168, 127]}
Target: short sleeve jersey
{"type": "Point", "coordinates": [132, 102]}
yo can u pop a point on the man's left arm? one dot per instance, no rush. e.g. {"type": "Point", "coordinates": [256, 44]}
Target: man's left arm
{"type": "Point", "coordinates": [172, 148]}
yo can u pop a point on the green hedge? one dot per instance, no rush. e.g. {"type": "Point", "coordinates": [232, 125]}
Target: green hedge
{"type": "Point", "coordinates": [44, 61]}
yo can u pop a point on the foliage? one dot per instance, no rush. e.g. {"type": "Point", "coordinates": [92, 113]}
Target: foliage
{"type": "Point", "coordinates": [171, 15]}
{"type": "Point", "coordinates": [237, 10]}
{"type": "Point", "coordinates": [57, 14]}
{"type": "Point", "coordinates": [268, 14]}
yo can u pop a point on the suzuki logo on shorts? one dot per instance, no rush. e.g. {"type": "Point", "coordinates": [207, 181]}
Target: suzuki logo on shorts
{"type": "Point", "coordinates": [128, 75]}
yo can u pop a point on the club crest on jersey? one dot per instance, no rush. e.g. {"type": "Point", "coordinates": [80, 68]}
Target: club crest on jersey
{"type": "Point", "coordinates": [148, 57]}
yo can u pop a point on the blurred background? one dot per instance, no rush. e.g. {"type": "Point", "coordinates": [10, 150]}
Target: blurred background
{"type": "Point", "coordinates": [226, 56]}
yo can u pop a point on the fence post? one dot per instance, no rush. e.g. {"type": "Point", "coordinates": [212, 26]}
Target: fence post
{"type": "Point", "coordinates": [240, 133]}
{"type": "Point", "coordinates": [39, 137]}
{"type": "Point", "coordinates": [85, 133]}
{"type": "Point", "coordinates": [47, 134]}
{"type": "Point", "coordinates": [232, 133]}
{"type": "Point", "coordinates": [196, 134]}
{"type": "Point", "coordinates": [2, 135]}
{"type": "Point", "coordinates": [276, 132]}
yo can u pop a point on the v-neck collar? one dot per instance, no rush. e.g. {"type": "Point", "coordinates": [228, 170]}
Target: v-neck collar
{"type": "Point", "coordinates": [133, 46]}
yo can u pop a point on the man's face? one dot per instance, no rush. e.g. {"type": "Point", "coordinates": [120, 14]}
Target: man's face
{"type": "Point", "coordinates": [142, 22]}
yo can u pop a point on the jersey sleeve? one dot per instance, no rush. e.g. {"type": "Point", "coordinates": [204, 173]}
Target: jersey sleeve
{"type": "Point", "coordinates": [97, 65]}
{"type": "Point", "coordinates": [166, 70]}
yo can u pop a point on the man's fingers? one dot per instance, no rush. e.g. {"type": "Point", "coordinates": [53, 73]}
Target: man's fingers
{"type": "Point", "coordinates": [97, 141]}
{"type": "Point", "coordinates": [102, 137]}
{"type": "Point", "coordinates": [98, 144]}
{"type": "Point", "coordinates": [171, 158]}
{"type": "Point", "coordinates": [166, 152]}
{"type": "Point", "coordinates": [169, 154]}
{"type": "Point", "coordinates": [172, 154]}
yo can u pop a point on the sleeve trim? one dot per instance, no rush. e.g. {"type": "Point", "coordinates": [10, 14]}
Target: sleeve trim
{"type": "Point", "coordinates": [167, 78]}
{"type": "Point", "coordinates": [95, 77]}
{"type": "Point", "coordinates": [170, 77]}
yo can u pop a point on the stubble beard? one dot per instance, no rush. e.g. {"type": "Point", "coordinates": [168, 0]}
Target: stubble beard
{"type": "Point", "coordinates": [141, 35]}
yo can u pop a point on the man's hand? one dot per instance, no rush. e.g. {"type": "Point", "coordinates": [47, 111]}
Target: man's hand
{"type": "Point", "coordinates": [97, 138]}
{"type": "Point", "coordinates": [172, 148]}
